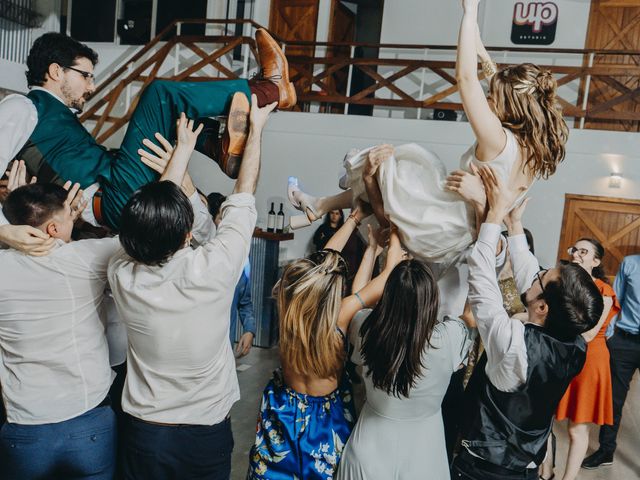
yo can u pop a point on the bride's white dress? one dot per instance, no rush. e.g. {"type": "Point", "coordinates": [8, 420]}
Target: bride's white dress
{"type": "Point", "coordinates": [434, 224]}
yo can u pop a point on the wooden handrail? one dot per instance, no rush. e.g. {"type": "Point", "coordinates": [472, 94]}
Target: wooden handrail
{"type": "Point", "coordinates": [317, 78]}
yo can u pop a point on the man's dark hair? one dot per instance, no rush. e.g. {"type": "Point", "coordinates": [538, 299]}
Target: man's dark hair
{"type": "Point", "coordinates": [575, 303]}
{"type": "Point", "coordinates": [155, 222]}
{"type": "Point", "coordinates": [34, 204]}
{"type": "Point", "coordinates": [54, 48]}
{"type": "Point", "coordinates": [215, 201]}
{"type": "Point", "coordinates": [399, 328]}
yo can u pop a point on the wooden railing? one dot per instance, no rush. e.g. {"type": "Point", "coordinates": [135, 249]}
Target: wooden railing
{"type": "Point", "coordinates": [333, 77]}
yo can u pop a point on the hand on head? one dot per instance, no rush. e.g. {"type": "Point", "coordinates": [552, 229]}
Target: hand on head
{"type": "Point", "coordinates": [75, 199]}
{"type": "Point", "coordinates": [18, 176]}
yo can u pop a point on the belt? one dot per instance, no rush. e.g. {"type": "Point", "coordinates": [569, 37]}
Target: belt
{"type": "Point", "coordinates": [179, 424]}
{"type": "Point", "coordinates": [97, 206]}
{"type": "Point", "coordinates": [624, 333]}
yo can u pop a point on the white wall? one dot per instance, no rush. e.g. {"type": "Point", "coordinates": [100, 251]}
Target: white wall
{"type": "Point", "coordinates": [436, 22]}
{"type": "Point", "coordinates": [311, 147]}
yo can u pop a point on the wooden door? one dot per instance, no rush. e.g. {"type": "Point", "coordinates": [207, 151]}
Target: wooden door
{"type": "Point", "coordinates": [614, 25]}
{"type": "Point", "coordinates": [296, 20]}
{"type": "Point", "coordinates": [342, 28]}
{"type": "Point", "coordinates": [614, 222]}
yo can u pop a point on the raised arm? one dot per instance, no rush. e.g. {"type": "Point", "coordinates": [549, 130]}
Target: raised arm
{"type": "Point", "coordinates": [363, 275]}
{"type": "Point", "coordinates": [371, 293]}
{"type": "Point", "coordinates": [523, 263]}
{"type": "Point", "coordinates": [250, 167]}
{"type": "Point", "coordinates": [485, 124]}
{"type": "Point", "coordinates": [341, 237]}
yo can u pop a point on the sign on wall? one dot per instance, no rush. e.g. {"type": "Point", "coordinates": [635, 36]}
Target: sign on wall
{"type": "Point", "coordinates": [534, 23]}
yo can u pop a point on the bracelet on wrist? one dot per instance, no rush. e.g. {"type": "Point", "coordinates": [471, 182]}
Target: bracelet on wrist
{"type": "Point", "coordinates": [353, 217]}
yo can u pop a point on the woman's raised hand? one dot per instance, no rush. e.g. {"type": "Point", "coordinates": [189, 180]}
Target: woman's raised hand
{"type": "Point", "coordinates": [163, 152]}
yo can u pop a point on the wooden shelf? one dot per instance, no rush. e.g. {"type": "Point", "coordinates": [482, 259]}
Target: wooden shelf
{"type": "Point", "coordinates": [278, 237]}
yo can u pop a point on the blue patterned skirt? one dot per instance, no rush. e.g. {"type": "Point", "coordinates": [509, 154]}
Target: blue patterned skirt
{"type": "Point", "coordinates": [299, 436]}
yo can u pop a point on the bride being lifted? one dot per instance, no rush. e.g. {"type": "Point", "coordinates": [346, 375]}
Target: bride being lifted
{"type": "Point", "coordinates": [519, 132]}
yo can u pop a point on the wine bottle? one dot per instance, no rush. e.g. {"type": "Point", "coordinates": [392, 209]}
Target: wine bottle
{"type": "Point", "coordinates": [271, 220]}
{"type": "Point", "coordinates": [280, 221]}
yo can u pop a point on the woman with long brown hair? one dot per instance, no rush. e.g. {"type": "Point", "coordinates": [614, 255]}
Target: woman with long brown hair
{"type": "Point", "coordinates": [307, 413]}
{"type": "Point", "coordinates": [408, 355]}
{"type": "Point", "coordinates": [519, 131]}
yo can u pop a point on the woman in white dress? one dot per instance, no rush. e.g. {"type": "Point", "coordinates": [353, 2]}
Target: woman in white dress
{"type": "Point", "coordinates": [519, 131]}
{"type": "Point", "coordinates": [407, 357]}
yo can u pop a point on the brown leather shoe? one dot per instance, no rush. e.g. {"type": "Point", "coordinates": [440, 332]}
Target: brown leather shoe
{"type": "Point", "coordinates": [275, 67]}
{"type": "Point", "coordinates": [235, 135]}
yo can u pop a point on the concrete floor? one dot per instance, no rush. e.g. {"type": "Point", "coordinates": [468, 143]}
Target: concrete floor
{"type": "Point", "coordinates": [254, 371]}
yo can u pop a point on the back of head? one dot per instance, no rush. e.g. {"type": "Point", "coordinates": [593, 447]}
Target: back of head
{"type": "Point", "coordinates": [399, 328]}
{"type": "Point", "coordinates": [54, 48]}
{"type": "Point", "coordinates": [34, 204]}
{"type": "Point", "coordinates": [575, 303]}
{"type": "Point", "coordinates": [215, 201]}
{"type": "Point", "coordinates": [309, 295]}
{"type": "Point", "coordinates": [525, 101]}
{"type": "Point", "coordinates": [155, 222]}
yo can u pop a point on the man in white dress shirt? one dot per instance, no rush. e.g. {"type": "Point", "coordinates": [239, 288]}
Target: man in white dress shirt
{"type": "Point", "coordinates": [530, 363]}
{"type": "Point", "coordinates": [175, 301]}
{"type": "Point", "coordinates": [55, 373]}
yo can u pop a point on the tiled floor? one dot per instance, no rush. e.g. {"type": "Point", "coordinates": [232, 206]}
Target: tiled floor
{"type": "Point", "coordinates": [262, 362]}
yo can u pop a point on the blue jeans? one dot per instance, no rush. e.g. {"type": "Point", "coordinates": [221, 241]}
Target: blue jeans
{"type": "Point", "coordinates": [82, 447]}
{"type": "Point", "coordinates": [173, 452]}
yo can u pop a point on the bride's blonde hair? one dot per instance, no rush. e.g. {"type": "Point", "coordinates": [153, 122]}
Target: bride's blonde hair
{"type": "Point", "coordinates": [308, 297]}
{"type": "Point", "coordinates": [525, 101]}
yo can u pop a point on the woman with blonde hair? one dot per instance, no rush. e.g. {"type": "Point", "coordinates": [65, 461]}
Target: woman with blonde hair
{"type": "Point", "coordinates": [307, 413]}
{"type": "Point", "coordinates": [519, 131]}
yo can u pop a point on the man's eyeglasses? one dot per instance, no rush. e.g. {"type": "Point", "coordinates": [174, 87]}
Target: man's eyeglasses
{"type": "Point", "coordinates": [581, 251]}
{"type": "Point", "coordinates": [539, 275]}
{"type": "Point", "coordinates": [86, 75]}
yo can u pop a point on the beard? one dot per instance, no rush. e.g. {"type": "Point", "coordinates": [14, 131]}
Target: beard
{"type": "Point", "coordinates": [72, 101]}
{"type": "Point", "coordinates": [523, 299]}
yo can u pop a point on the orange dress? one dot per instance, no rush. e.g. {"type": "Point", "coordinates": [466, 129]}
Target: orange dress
{"type": "Point", "coordinates": [588, 397]}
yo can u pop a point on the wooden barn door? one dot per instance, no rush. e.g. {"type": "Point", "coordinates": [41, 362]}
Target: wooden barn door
{"type": "Point", "coordinates": [296, 20]}
{"type": "Point", "coordinates": [614, 25]}
{"type": "Point", "coordinates": [614, 222]}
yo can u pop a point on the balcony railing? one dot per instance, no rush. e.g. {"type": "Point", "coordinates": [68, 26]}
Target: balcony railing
{"type": "Point", "coordinates": [598, 89]}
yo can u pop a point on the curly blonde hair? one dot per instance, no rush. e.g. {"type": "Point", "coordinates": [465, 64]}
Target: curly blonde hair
{"type": "Point", "coordinates": [525, 101]}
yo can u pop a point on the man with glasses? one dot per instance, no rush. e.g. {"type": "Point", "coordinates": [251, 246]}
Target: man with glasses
{"type": "Point", "coordinates": [530, 363]}
{"type": "Point", "coordinates": [624, 349]}
{"type": "Point", "coordinates": [42, 127]}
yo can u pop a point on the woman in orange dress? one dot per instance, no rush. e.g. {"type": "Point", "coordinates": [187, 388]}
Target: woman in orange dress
{"type": "Point", "coordinates": [588, 398]}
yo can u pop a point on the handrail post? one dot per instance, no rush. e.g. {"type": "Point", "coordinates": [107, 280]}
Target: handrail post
{"type": "Point", "coordinates": [176, 58]}
{"type": "Point", "coordinates": [348, 92]}
{"type": "Point", "coordinates": [127, 100]}
{"type": "Point", "coordinates": [424, 57]}
{"type": "Point", "coordinates": [587, 86]}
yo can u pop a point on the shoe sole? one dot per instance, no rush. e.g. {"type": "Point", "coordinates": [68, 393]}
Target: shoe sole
{"type": "Point", "coordinates": [603, 464]}
{"type": "Point", "coordinates": [234, 138]}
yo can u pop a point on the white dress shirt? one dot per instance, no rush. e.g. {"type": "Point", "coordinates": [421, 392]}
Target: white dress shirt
{"type": "Point", "coordinates": [18, 120]}
{"type": "Point", "coordinates": [181, 369]}
{"type": "Point", "coordinates": [55, 360]}
{"type": "Point", "coordinates": [503, 337]}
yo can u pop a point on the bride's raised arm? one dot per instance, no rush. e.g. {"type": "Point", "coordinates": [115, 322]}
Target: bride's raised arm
{"type": "Point", "coordinates": [484, 122]}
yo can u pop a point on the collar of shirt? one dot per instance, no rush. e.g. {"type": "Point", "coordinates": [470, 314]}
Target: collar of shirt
{"type": "Point", "coordinates": [75, 111]}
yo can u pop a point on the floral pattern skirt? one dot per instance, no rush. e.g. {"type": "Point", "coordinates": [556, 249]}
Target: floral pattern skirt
{"type": "Point", "coordinates": [300, 436]}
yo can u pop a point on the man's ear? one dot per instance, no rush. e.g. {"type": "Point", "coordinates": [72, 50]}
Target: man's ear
{"type": "Point", "coordinates": [54, 72]}
{"type": "Point", "coordinates": [542, 308]}
{"type": "Point", "coordinates": [52, 229]}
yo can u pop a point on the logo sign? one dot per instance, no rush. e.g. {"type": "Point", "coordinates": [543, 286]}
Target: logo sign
{"type": "Point", "coordinates": [534, 23]}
